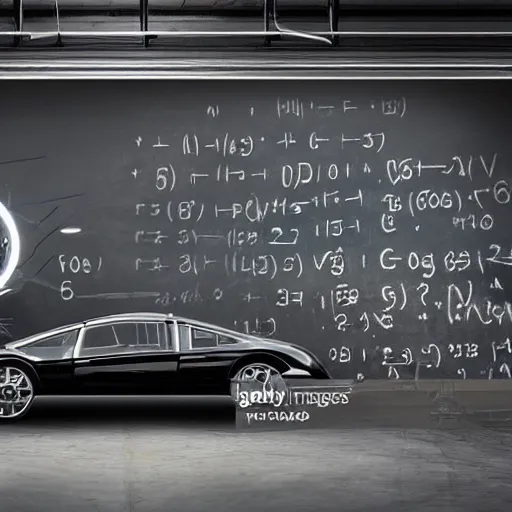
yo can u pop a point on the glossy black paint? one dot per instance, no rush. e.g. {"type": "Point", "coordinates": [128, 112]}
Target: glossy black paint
{"type": "Point", "coordinates": [205, 371]}
{"type": "Point", "coordinates": [56, 377]}
{"type": "Point", "coordinates": [193, 371]}
{"type": "Point", "coordinates": [148, 373]}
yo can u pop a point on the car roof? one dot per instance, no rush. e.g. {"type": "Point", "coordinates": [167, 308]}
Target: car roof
{"type": "Point", "coordinates": [121, 317]}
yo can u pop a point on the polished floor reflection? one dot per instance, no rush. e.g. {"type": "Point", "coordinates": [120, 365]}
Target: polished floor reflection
{"type": "Point", "coordinates": [113, 455]}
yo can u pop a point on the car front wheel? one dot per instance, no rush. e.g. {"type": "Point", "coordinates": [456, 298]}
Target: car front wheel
{"type": "Point", "coordinates": [16, 392]}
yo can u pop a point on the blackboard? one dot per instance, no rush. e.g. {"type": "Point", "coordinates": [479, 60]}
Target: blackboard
{"type": "Point", "coordinates": [366, 220]}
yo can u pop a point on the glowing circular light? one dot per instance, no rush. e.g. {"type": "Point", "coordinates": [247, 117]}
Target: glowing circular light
{"type": "Point", "coordinates": [13, 250]}
{"type": "Point", "coordinates": [71, 230]}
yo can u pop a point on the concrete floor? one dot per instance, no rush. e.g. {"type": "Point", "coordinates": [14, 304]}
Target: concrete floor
{"type": "Point", "coordinates": [185, 455]}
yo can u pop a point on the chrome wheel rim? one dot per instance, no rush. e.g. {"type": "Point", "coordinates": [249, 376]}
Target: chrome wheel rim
{"type": "Point", "coordinates": [16, 392]}
{"type": "Point", "coordinates": [256, 377]}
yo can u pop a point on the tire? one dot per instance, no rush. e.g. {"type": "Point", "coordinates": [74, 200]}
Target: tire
{"type": "Point", "coordinates": [17, 390]}
{"type": "Point", "coordinates": [256, 376]}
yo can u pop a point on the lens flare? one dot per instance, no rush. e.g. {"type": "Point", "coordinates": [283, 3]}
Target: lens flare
{"type": "Point", "coordinates": [13, 250]}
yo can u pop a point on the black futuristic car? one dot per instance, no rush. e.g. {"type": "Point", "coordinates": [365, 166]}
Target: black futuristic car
{"type": "Point", "coordinates": [142, 354]}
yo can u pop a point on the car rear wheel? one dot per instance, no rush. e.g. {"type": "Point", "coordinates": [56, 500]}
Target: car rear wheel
{"type": "Point", "coordinates": [16, 392]}
{"type": "Point", "coordinates": [256, 377]}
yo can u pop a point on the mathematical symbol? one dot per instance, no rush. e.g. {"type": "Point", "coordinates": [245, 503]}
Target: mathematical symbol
{"type": "Point", "coordinates": [248, 297]}
{"type": "Point", "coordinates": [195, 175]}
{"type": "Point", "coordinates": [160, 145]}
{"type": "Point", "coordinates": [359, 196]}
{"type": "Point", "coordinates": [264, 174]}
{"type": "Point", "coordinates": [135, 173]}
{"type": "Point", "coordinates": [496, 285]}
{"type": "Point", "coordinates": [213, 110]}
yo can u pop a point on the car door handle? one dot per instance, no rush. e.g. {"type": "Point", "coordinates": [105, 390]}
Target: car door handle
{"type": "Point", "coordinates": [83, 361]}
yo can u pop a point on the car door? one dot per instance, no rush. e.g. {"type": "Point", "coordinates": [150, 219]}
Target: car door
{"type": "Point", "coordinates": [206, 357]}
{"type": "Point", "coordinates": [128, 357]}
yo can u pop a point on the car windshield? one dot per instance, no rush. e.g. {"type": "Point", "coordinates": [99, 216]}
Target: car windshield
{"type": "Point", "coordinates": [56, 347]}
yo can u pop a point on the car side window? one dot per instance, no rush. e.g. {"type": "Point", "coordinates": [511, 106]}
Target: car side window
{"type": "Point", "coordinates": [124, 337]}
{"type": "Point", "coordinates": [226, 340]}
{"type": "Point", "coordinates": [203, 339]}
{"type": "Point", "coordinates": [56, 347]}
{"type": "Point", "coordinates": [183, 331]}
{"type": "Point", "coordinates": [208, 339]}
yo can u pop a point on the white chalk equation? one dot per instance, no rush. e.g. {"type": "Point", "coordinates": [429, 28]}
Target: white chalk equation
{"type": "Point", "coordinates": [319, 216]}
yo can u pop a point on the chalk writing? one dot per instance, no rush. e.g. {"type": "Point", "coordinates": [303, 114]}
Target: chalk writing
{"type": "Point", "coordinates": [241, 244]}
{"type": "Point", "coordinates": [315, 219]}
{"type": "Point", "coordinates": [73, 265]}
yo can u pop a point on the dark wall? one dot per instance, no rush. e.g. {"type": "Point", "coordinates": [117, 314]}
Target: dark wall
{"type": "Point", "coordinates": [385, 240]}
